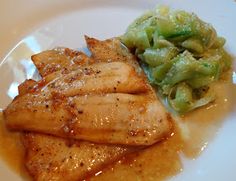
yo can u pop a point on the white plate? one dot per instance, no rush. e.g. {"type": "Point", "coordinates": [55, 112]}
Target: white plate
{"type": "Point", "coordinates": [33, 26]}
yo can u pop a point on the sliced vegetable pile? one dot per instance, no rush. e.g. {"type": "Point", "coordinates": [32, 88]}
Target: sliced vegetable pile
{"type": "Point", "coordinates": [180, 53]}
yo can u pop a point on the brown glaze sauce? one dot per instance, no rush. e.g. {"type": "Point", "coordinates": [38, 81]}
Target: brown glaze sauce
{"type": "Point", "coordinates": [192, 133]}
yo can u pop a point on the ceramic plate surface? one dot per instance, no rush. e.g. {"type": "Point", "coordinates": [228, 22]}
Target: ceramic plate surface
{"type": "Point", "coordinates": [28, 27]}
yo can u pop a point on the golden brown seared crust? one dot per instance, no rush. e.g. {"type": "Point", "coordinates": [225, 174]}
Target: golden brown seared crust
{"type": "Point", "coordinates": [101, 50]}
{"type": "Point", "coordinates": [110, 50]}
{"type": "Point", "coordinates": [57, 159]}
{"type": "Point", "coordinates": [26, 86]}
{"type": "Point", "coordinates": [53, 60]}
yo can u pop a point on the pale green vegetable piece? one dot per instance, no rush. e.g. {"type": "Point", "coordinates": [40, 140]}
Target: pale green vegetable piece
{"type": "Point", "coordinates": [160, 41]}
{"type": "Point", "coordinates": [193, 45]}
{"type": "Point", "coordinates": [200, 81]}
{"type": "Point", "coordinates": [182, 99]}
{"type": "Point", "coordinates": [160, 72]}
{"type": "Point", "coordinates": [155, 57]}
{"type": "Point", "coordinates": [142, 40]}
{"type": "Point", "coordinates": [188, 68]}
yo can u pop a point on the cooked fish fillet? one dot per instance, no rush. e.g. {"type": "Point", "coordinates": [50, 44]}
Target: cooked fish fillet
{"type": "Point", "coordinates": [111, 50]}
{"type": "Point", "coordinates": [26, 86]}
{"type": "Point", "coordinates": [52, 60]}
{"type": "Point", "coordinates": [57, 159]}
{"type": "Point", "coordinates": [51, 158]}
{"type": "Point", "coordinates": [110, 118]}
{"type": "Point", "coordinates": [96, 78]}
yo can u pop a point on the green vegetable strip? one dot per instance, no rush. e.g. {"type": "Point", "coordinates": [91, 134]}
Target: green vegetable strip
{"type": "Point", "coordinates": [155, 57]}
{"type": "Point", "coordinates": [182, 101]}
{"type": "Point", "coordinates": [160, 72]}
